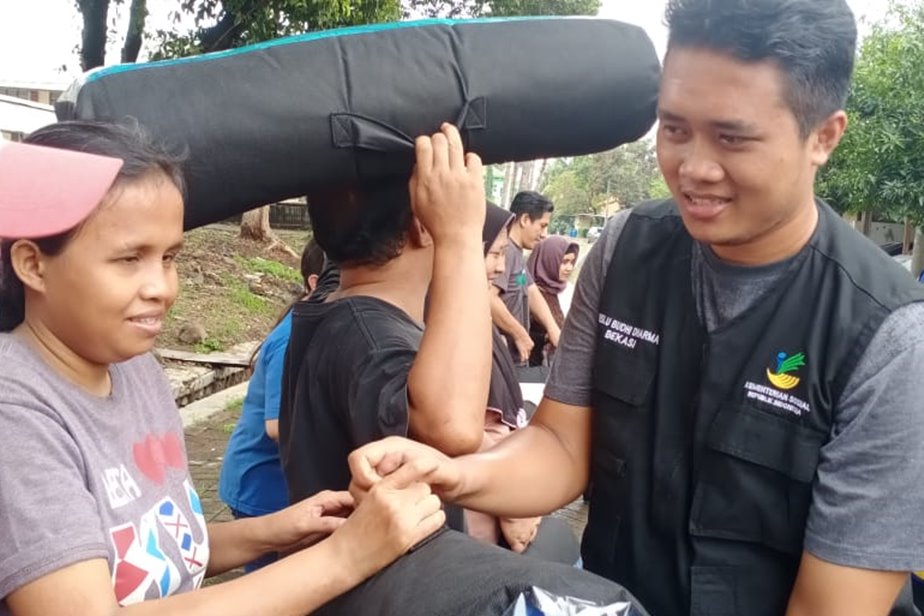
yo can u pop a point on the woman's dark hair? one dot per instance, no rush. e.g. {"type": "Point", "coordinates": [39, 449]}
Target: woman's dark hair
{"type": "Point", "coordinates": [129, 142]}
{"type": "Point", "coordinates": [312, 263]}
{"type": "Point", "coordinates": [812, 42]}
{"type": "Point", "coordinates": [362, 225]}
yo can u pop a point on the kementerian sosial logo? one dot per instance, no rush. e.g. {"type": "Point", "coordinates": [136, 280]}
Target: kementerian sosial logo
{"type": "Point", "coordinates": [783, 378]}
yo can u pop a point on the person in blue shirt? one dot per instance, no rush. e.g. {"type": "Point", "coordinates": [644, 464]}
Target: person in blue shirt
{"type": "Point", "coordinates": [252, 483]}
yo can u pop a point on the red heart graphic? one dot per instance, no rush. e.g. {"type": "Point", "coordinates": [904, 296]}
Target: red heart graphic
{"type": "Point", "coordinates": [147, 460]}
{"type": "Point", "coordinates": [153, 455]}
{"type": "Point", "coordinates": [173, 451]}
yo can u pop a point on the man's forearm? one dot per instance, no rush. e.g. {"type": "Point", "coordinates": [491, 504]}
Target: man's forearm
{"type": "Point", "coordinates": [533, 472]}
{"type": "Point", "coordinates": [504, 320]}
{"type": "Point", "coordinates": [448, 383]}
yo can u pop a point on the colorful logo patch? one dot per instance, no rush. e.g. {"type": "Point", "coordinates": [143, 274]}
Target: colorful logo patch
{"type": "Point", "coordinates": [783, 378]}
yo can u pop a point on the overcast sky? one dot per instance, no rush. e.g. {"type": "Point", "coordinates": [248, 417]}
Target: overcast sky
{"type": "Point", "coordinates": [40, 37]}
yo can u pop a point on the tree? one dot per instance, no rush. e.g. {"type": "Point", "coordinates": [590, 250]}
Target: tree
{"type": "Point", "coordinates": [499, 8]}
{"type": "Point", "coordinates": [877, 167]}
{"type": "Point", "coordinates": [582, 185]}
{"type": "Point", "coordinates": [95, 15]}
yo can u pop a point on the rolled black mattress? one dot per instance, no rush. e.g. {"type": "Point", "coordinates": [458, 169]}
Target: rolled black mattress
{"type": "Point", "coordinates": [281, 119]}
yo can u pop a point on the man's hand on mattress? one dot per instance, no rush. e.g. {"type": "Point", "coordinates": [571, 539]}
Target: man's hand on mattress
{"type": "Point", "coordinates": [447, 188]}
{"type": "Point", "coordinates": [371, 463]}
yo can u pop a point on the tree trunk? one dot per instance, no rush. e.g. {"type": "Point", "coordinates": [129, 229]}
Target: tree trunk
{"type": "Point", "coordinates": [917, 256]}
{"type": "Point", "coordinates": [222, 35]}
{"type": "Point", "coordinates": [93, 41]}
{"type": "Point", "coordinates": [517, 180]}
{"type": "Point", "coordinates": [908, 237]}
{"type": "Point", "coordinates": [529, 168]}
{"type": "Point", "coordinates": [866, 223]}
{"type": "Point", "coordinates": [509, 172]}
{"type": "Point", "coordinates": [137, 14]}
{"type": "Point", "coordinates": [255, 225]}
{"type": "Point", "coordinates": [539, 174]}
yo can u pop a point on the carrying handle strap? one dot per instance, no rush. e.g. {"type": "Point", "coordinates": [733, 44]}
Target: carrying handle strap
{"type": "Point", "coordinates": [355, 130]}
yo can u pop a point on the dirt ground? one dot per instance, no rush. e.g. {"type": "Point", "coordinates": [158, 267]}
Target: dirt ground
{"type": "Point", "coordinates": [234, 288]}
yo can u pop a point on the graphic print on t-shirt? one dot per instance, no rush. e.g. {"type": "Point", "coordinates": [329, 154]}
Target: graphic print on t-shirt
{"type": "Point", "coordinates": [154, 455]}
{"type": "Point", "coordinates": [155, 552]}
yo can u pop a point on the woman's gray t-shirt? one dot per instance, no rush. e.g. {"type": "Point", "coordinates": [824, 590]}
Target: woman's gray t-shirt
{"type": "Point", "coordinates": [85, 477]}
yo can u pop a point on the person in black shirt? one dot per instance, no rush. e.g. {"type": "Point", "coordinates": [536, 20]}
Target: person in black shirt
{"type": "Point", "coordinates": [360, 365]}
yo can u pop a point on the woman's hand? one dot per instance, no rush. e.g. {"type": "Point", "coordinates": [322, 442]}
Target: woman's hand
{"type": "Point", "coordinates": [307, 521]}
{"type": "Point", "coordinates": [397, 513]}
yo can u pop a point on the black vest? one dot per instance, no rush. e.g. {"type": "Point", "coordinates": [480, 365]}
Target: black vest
{"type": "Point", "coordinates": [704, 454]}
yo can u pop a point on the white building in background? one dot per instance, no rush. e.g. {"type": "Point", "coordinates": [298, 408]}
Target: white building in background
{"type": "Point", "coordinates": [44, 92]}
{"type": "Point", "coordinates": [20, 117]}
{"type": "Point", "coordinates": [27, 105]}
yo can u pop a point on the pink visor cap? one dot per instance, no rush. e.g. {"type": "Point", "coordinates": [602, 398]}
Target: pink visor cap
{"type": "Point", "coordinates": [45, 191]}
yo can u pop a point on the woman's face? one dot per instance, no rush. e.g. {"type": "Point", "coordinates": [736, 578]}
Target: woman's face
{"type": "Point", "coordinates": [497, 255]}
{"type": "Point", "coordinates": [567, 266]}
{"type": "Point", "coordinates": [107, 293]}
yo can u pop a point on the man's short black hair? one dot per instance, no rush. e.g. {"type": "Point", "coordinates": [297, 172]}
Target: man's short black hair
{"type": "Point", "coordinates": [812, 41]}
{"type": "Point", "coordinates": [362, 225]}
{"type": "Point", "coordinates": [312, 260]}
{"type": "Point", "coordinates": [532, 204]}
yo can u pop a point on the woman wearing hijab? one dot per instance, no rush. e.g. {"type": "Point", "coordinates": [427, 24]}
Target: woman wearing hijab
{"type": "Point", "coordinates": [545, 538]}
{"type": "Point", "coordinates": [550, 264]}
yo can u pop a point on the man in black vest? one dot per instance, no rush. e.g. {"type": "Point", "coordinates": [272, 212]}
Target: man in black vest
{"type": "Point", "coordinates": [739, 373]}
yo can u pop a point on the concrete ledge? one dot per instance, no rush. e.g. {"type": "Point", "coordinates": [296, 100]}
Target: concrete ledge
{"type": "Point", "coordinates": [201, 410]}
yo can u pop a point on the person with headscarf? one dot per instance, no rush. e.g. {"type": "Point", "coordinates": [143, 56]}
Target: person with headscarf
{"type": "Point", "coordinates": [550, 265]}
{"type": "Point", "coordinates": [545, 538]}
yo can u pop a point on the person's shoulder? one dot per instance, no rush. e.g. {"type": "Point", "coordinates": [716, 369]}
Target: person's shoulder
{"type": "Point", "coordinates": [22, 368]}
{"type": "Point", "coordinates": [379, 319]}
{"type": "Point", "coordinates": [901, 331]}
{"type": "Point", "coordinates": [278, 338]}
{"type": "Point", "coordinates": [361, 321]}
{"type": "Point", "coordinates": [26, 384]}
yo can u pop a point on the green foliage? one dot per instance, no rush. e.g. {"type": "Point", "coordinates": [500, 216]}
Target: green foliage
{"type": "Point", "coordinates": [225, 24]}
{"type": "Point", "coordinates": [586, 183]}
{"type": "Point", "coordinates": [209, 345]}
{"type": "Point", "coordinates": [235, 405]}
{"type": "Point", "coordinates": [499, 8]}
{"type": "Point", "coordinates": [250, 302]}
{"type": "Point", "coordinates": [276, 269]}
{"type": "Point", "coordinates": [511, 8]}
{"type": "Point", "coordinates": [878, 165]}
{"type": "Point", "coordinates": [659, 189]}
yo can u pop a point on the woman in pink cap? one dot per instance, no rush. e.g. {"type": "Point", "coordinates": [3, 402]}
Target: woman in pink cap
{"type": "Point", "coordinates": [97, 510]}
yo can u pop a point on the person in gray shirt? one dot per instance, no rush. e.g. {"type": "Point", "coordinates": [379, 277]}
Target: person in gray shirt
{"type": "Point", "coordinates": [514, 293]}
{"type": "Point", "coordinates": [750, 108]}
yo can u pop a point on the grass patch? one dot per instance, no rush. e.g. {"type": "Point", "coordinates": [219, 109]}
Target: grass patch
{"type": "Point", "coordinates": [236, 405]}
{"type": "Point", "coordinates": [250, 302]}
{"type": "Point", "coordinates": [259, 265]}
{"type": "Point", "coordinates": [210, 345]}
